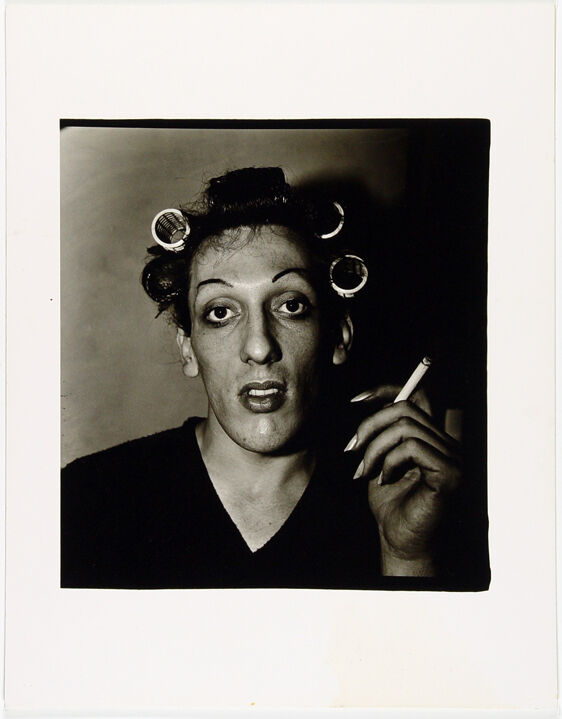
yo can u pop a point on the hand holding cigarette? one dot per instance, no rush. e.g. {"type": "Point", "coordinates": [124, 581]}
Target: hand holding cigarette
{"type": "Point", "coordinates": [411, 465]}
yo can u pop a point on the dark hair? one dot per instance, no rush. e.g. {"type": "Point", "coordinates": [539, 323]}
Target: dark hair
{"type": "Point", "coordinates": [250, 197]}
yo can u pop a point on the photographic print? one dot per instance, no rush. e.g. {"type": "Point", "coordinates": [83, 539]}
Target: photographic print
{"type": "Point", "coordinates": [308, 407]}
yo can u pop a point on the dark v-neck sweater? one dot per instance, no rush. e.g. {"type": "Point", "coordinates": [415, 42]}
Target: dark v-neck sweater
{"type": "Point", "coordinates": [145, 515]}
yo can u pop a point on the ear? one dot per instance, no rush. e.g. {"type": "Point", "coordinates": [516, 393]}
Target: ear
{"type": "Point", "coordinates": [344, 340]}
{"type": "Point", "coordinates": [188, 358]}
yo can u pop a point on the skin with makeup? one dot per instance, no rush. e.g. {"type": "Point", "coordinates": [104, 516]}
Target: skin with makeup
{"type": "Point", "coordinates": [263, 345]}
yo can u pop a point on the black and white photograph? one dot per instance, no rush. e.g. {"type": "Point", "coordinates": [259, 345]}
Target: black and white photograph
{"type": "Point", "coordinates": [274, 354]}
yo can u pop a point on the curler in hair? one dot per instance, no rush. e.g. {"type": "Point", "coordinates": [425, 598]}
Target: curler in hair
{"type": "Point", "coordinates": [170, 229]}
{"type": "Point", "coordinates": [348, 275]}
{"type": "Point", "coordinates": [333, 233]}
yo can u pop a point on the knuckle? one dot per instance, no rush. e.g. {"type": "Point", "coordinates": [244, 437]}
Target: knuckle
{"type": "Point", "coordinates": [403, 423]}
{"type": "Point", "coordinates": [411, 444]}
{"type": "Point", "coordinates": [412, 410]}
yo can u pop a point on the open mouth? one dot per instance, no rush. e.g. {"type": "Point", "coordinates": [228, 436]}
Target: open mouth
{"type": "Point", "coordinates": [265, 396]}
{"type": "Point", "coordinates": [263, 392]}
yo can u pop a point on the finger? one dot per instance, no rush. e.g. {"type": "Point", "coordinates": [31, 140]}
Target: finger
{"type": "Point", "coordinates": [386, 394]}
{"type": "Point", "coordinates": [376, 423]}
{"type": "Point", "coordinates": [400, 431]}
{"type": "Point", "coordinates": [440, 473]}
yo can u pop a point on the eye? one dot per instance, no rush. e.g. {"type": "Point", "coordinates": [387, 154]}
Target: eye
{"type": "Point", "coordinates": [294, 307]}
{"type": "Point", "coordinates": [218, 315]}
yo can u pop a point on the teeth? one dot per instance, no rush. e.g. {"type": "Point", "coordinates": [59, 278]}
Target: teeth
{"type": "Point", "coordinates": [263, 392]}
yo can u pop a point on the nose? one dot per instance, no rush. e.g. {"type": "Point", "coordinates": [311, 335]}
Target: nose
{"type": "Point", "coordinates": [259, 345]}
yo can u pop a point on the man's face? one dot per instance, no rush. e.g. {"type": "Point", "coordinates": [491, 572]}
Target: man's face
{"type": "Point", "coordinates": [257, 337]}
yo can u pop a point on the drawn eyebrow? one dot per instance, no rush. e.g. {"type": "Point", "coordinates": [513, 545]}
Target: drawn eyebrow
{"type": "Point", "coordinates": [299, 270]}
{"type": "Point", "coordinates": [214, 280]}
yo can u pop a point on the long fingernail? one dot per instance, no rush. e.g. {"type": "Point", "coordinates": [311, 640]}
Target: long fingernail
{"type": "Point", "coordinates": [362, 396]}
{"type": "Point", "coordinates": [359, 470]}
{"type": "Point", "coordinates": [351, 444]}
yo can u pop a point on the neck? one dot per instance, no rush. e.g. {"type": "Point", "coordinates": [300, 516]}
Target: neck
{"type": "Point", "coordinates": [251, 473]}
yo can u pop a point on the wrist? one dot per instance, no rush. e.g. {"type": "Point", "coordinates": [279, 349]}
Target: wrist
{"type": "Point", "coordinates": [396, 563]}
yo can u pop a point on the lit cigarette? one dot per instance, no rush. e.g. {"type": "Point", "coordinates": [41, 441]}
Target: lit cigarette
{"type": "Point", "coordinates": [414, 380]}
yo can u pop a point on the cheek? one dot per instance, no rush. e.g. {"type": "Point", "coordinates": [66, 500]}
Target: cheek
{"type": "Point", "coordinates": [306, 354]}
{"type": "Point", "coordinates": [214, 359]}
{"type": "Point", "coordinates": [310, 340]}
{"type": "Point", "coordinates": [307, 358]}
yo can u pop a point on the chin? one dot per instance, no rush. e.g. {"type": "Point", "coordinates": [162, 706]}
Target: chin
{"type": "Point", "coordinates": [268, 434]}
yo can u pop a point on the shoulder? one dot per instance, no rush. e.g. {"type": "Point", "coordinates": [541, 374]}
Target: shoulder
{"type": "Point", "coordinates": [134, 449]}
{"type": "Point", "coordinates": [157, 452]}
{"type": "Point", "coordinates": [131, 474]}
{"type": "Point", "coordinates": [131, 478]}
{"type": "Point", "coordinates": [117, 506]}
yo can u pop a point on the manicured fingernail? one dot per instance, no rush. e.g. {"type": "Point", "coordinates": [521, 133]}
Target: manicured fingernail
{"type": "Point", "coordinates": [362, 396]}
{"type": "Point", "coordinates": [351, 444]}
{"type": "Point", "coordinates": [359, 470]}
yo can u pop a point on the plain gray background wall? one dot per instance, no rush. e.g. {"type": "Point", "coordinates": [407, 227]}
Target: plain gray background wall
{"type": "Point", "coordinates": [121, 376]}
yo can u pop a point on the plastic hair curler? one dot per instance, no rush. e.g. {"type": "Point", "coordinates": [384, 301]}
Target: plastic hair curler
{"type": "Point", "coordinates": [348, 275]}
{"type": "Point", "coordinates": [170, 229]}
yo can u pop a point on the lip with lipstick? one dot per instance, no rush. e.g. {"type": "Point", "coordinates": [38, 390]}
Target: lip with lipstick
{"type": "Point", "coordinates": [266, 396]}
